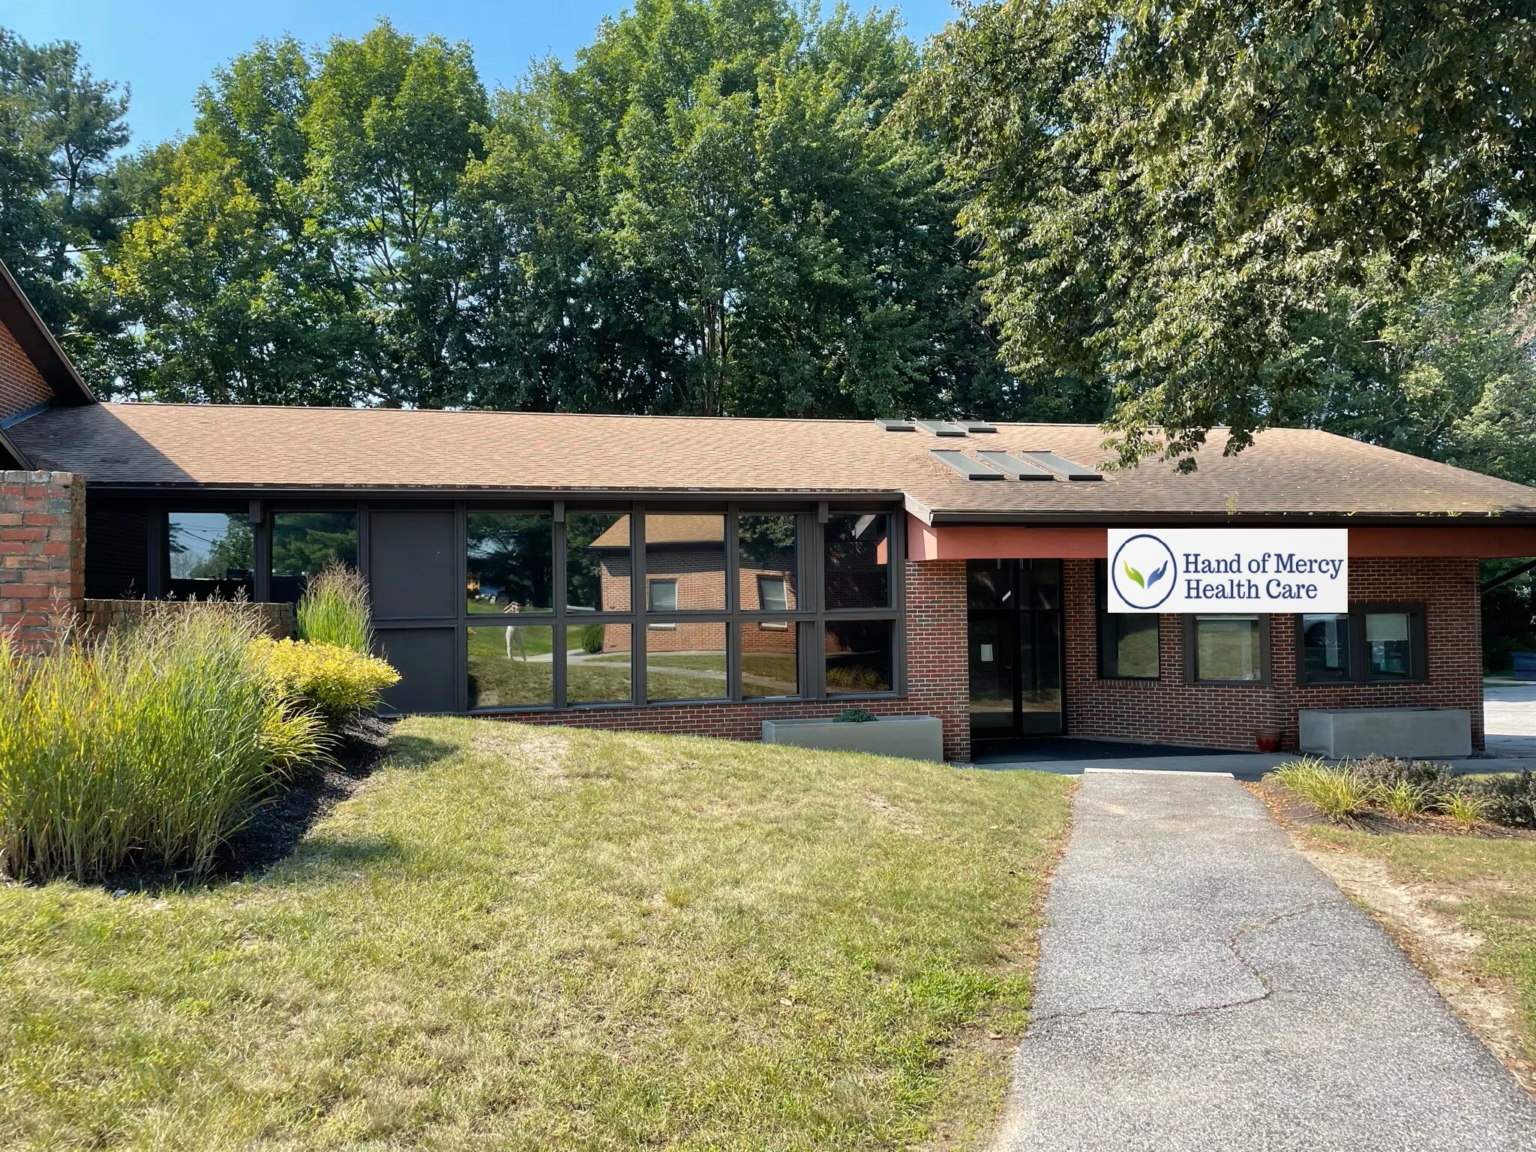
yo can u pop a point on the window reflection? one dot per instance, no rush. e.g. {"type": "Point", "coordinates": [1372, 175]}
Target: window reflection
{"type": "Point", "coordinates": [211, 555]}
{"type": "Point", "coordinates": [767, 555]}
{"type": "Point", "coordinates": [305, 542]}
{"type": "Point", "coordinates": [858, 554]}
{"type": "Point", "coordinates": [511, 666]}
{"type": "Point", "coordinates": [598, 664]}
{"type": "Point", "coordinates": [859, 656]}
{"type": "Point", "coordinates": [597, 562]}
{"type": "Point", "coordinates": [686, 662]}
{"type": "Point", "coordinates": [510, 566]}
{"type": "Point", "coordinates": [685, 556]}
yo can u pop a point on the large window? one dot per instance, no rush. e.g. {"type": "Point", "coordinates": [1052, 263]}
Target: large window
{"type": "Point", "coordinates": [211, 555]}
{"type": "Point", "coordinates": [769, 562]}
{"type": "Point", "coordinates": [305, 542]}
{"type": "Point", "coordinates": [511, 666]}
{"type": "Point", "coordinates": [858, 561]}
{"type": "Point", "coordinates": [1128, 641]}
{"type": "Point", "coordinates": [686, 552]}
{"type": "Point", "coordinates": [597, 664]}
{"type": "Point", "coordinates": [539, 606]}
{"type": "Point", "coordinates": [1374, 643]}
{"type": "Point", "coordinates": [687, 663]}
{"type": "Point", "coordinates": [510, 563]}
{"type": "Point", "coordinates": [860, 656]}
{"type": "Point", "coordinates": [1230, 649]}
{"type": "Point", "coordinates": [597, 562]}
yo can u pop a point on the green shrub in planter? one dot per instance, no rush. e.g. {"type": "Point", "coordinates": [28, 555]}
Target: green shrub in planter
{"type": "Point", "coordinates": [153, 744]}
{"type": "Point", "coordinates": [854, 716]}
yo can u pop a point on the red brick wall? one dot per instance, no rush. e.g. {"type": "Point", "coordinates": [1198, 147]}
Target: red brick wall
{"type": "Point", "coordinates": [42, 552]}
{"type": "Point", "coordinates": [1227, 716]}
{"type": "Point", "coordinates": [21, 386]}
{"type": "Point", "coordinates": [936, 677]}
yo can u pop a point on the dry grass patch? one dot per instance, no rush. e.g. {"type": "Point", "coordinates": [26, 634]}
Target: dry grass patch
{"type": "Point", "coordinates": [527, 938]}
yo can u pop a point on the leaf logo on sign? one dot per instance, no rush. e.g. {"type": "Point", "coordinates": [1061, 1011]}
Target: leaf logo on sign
{"type": "Point", "coordinates": [1157, 575]}
{"type": "Point", "coordinates": [1136, 576]}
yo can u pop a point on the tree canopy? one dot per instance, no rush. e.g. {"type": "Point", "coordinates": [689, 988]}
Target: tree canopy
{"type": "Point", "coordinates": [1169, 194]}
{"type": "Point", "coordinates": [711, 211]}
{"type": "Point", "coordinates": [59, 130]}
{"type": "Point", "coordinates": [1169, 215]}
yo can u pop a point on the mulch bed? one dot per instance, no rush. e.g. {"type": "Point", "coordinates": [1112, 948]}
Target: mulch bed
{"type": "Point", "coordinates": [1293, 811]}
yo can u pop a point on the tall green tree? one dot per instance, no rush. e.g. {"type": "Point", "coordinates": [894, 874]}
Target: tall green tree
{"type": "Point", "coordinates": [238, 295]}
{"type": "Point", "coordinates": [59, 130]}
{"type": "Point", "coordinates": [713, 211]}
{"type": "Point", "coordinates": [303, 244]}
{"type": "Point", "coordinates": [1169, 193]}
{"type": "Point", "coordinates": [1435, 361]}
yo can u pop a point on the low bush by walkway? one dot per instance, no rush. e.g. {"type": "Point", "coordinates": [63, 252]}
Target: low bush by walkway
{"type": "Point", "coordinates": [1408, 789]}
{"type": "Point", "coordinates": [526, 938]}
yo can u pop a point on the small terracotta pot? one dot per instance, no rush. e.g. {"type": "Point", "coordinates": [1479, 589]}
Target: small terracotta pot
{"type": "Point", "coordinates": [1268, 739]}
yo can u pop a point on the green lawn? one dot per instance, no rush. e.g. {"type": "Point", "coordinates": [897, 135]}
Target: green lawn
{"type": "Point", "coordinates": [1495, 881]}
{"type": "Point", "coordinates": [529, 938]}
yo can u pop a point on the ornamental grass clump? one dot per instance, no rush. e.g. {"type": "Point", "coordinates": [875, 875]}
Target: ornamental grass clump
{"type": "Point", "coordinates": [335, 610]}
{"type": "Point", "coordinates": [1336, 792]}
{"type": "Point", "coordinates": [150, 746]}
{"type": "Point", "coordinates": [336, 682]}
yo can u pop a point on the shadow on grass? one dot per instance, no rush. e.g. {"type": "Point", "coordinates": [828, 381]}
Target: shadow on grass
{"type": "Point", "coordinates": [418, 751]}
{"type": "Point", "coordinates": [354, 852]}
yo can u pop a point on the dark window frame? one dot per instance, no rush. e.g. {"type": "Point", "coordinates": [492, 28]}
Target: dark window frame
{"type": "Point", "coordinates": [1106, 655]}
{"type": "Point", "coordinates": [1192, 656]}
{"type": "Point", "coordinates": [1359, 661]}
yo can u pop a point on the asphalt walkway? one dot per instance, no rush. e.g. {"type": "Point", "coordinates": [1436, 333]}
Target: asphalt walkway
{"type": "Point", "coordinates": [1201, 986]}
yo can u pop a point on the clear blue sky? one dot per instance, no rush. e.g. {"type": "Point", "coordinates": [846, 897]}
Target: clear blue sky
{"type": "Point", "coordinates": [163, 49]}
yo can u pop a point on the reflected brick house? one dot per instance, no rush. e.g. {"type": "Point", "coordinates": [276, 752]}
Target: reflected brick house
{"type": "Point", "coordinates": [685, 563]}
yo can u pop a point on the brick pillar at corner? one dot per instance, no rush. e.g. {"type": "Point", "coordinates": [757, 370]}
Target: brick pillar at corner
{"type": "Point", "coordinates": [42, 554]}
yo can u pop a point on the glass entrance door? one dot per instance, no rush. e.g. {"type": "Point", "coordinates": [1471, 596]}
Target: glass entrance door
{"type": "Point", "coordinates": [1015, 647]}
{"type": "Point", "coordinates": [993, 676]}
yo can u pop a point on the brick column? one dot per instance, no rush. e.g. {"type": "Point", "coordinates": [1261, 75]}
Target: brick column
{"type": "Point", "coordinates": [938, 660]}
{"type": "Point", "coordinates": [42, 553]}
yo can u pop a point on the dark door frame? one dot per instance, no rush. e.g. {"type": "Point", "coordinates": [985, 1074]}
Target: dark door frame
{"type": "Point", "coordinates": [1013, 622]}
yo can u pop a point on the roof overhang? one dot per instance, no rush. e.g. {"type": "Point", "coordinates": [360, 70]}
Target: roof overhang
{"type": "Point", "coordinates": [1459, 540]}
{"type": "Point", "coordinates": [12, 456]}
{"type": "Point", "coordinates": [18, 315]}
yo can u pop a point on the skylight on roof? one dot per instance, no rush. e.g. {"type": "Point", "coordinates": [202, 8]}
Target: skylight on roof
{"type": "Point", "coordinates": [1066, 469]}
{"type": "Point", "coordinates": [967, 466]}
{"type": "Point", "coordinates": [897, 425]}
{"type": "Point", "coordinates": [941, 427]}
{"type": "Point", "coordinates": [1013, 466]}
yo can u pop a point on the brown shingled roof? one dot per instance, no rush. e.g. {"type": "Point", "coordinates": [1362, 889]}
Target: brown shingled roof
{"type": "Point", "coordinates": [1287, 471]}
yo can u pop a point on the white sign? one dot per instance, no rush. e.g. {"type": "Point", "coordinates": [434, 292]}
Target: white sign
{"type": "Point", "coordinates": [1229, 570]}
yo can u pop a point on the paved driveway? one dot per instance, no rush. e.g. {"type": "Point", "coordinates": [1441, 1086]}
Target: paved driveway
{"type": "Point", "coordinates": [1509, 716]}
{"type": "Point", "coordinates": [1202, 986]}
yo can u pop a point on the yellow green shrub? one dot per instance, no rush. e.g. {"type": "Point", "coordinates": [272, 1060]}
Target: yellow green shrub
{"type": "Point", "coordinates": [337, 682]}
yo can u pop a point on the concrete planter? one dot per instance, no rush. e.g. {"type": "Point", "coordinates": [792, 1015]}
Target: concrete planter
{"type": "Point", "coordinates": [915, 737]}
{"type": "Point", "coordinates": [1411, 733]}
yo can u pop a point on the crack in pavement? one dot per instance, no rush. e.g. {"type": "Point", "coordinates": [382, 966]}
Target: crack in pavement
{"type": "Point", "coordinates": [1232, 946]}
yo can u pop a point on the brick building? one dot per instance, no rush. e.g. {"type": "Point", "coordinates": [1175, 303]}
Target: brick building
{"type": "Point", "coordinates": [703, 575]}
